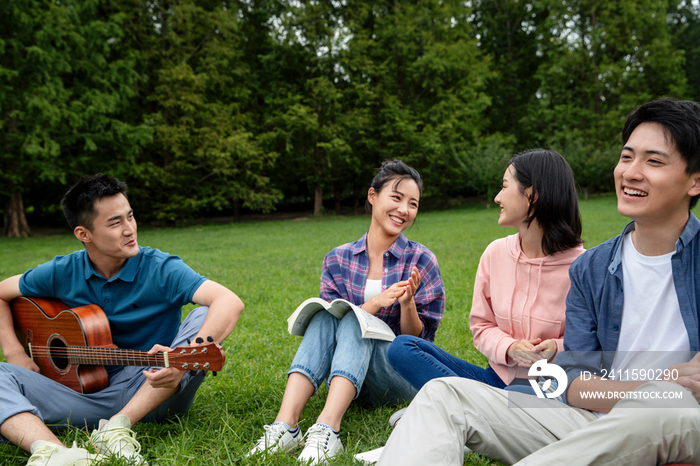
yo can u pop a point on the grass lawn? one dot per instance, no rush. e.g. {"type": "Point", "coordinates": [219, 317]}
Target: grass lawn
{"type": "Point", "coordinates": [273, 266]}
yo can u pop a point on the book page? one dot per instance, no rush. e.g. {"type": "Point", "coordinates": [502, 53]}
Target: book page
{"type": "Point", "coordinates": [299, 320]}
{"type": "Point", "coordinates": [373, 326]}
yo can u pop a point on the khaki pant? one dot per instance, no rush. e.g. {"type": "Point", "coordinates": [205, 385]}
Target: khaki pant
{"type": "Point", "coordinates": [510, 427]}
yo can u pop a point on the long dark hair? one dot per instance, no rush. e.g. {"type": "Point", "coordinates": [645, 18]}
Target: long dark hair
{"type": "Point", "coordinates": [393, 170]}
{"type": "Point", "coordinates": [554, 202]}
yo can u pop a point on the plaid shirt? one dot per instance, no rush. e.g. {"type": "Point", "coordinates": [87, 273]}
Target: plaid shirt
{"type": "Point", "coordinates": [345, 271]}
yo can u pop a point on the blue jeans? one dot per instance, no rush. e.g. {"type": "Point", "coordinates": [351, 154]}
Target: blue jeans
{"type": "Point", "coordinates": [333, 347]}
{"type": "Point", "coordinates": [420, 361]}
{"type": "Point", "coordinates": [22, 390]}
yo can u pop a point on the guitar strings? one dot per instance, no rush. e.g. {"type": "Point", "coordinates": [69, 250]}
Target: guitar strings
{"type": "Point", "coordinates": [100, 355]}
{"type": "Point", "coordinates": [117, 356]}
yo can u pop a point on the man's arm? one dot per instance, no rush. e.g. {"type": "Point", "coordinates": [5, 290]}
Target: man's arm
{"type": "Point", "coordinates": [608, 393]}
{"type": "Point", "coordinates": [11, 347]}
{"type": "Point", "coordinates": [224, 310]}
{"type": "Point", "coordinates": [686, 375]}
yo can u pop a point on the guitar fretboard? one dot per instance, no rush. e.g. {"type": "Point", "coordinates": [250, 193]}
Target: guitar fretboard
{"type": "Point", "coordinates": [104, 356]}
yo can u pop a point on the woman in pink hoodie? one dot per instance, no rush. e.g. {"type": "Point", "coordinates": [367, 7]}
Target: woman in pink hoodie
{"type": "Point", "coordinates": [517, 314]}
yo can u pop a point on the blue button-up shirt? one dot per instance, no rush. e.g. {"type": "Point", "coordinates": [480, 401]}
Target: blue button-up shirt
{"type": "Point", "coordinates": [595, 300]}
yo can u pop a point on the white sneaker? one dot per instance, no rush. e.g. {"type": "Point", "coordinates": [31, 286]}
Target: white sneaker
{"type": "Point", "coordinates": [277, 437]}
{"type": "Point", "coordinates": [115, 437]}
{"type": "Point", "coordinates": [322, 443]}
{"type": "Point", "coordinates": [369, 457]}
{"type": "Point", "coordinates": [394, 418]}
{"type": "Point", "coordinates": [49, 454]}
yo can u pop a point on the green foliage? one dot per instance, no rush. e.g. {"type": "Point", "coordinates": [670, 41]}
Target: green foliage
{"type": "Point", "coordinates": [684, 19]}
{"type": "Point", "coordinates": [426, 77]}
{"type": "Point", "coordinates": [203, 156]}
{"type": "Point", "coordinates": [592, 165]}
{"type": "Point", "coordinates": [603, 59]}
{"type": "Point", "coordinates": [204, 107]}
{"type": "Point", "coordinates": [485, 164]}
{"type": "Point", "coordinates": [63, 83]}
{"type": "Point", "coordinates": [510, 32]}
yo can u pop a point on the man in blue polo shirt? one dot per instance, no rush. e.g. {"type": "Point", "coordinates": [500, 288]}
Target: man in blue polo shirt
{"type": "Point", "coordinates": [632, 326]}
{"type": "Point", "coordinates": [141, 291]}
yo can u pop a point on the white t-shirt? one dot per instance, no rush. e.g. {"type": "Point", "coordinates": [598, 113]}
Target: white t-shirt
{"type": "Point", "coordinates": [652, 334]}
{"type": "Point", "coordinates": [372, 289]}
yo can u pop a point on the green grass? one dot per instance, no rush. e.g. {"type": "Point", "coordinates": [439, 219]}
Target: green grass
{"type": "Point", "coordinates": [273, 266]}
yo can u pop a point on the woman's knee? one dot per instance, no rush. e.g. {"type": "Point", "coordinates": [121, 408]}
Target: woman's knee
{"type": "Point", "coordinates": [349, 328]}
{"type": "Point", "coordinates": [322, 322]}
{"type": "Point", "coordinates": [403, 349]}
{"type": "Point", "coordinates": [400, 349]}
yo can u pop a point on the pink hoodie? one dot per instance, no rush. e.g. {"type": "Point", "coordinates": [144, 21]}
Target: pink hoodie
{"type": "Point", "coordinates": [517, 298]}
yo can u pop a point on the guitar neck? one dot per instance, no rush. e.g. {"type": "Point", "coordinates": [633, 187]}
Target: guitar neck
{"type": "Point", "coordinates": [208, 357]}
{"type": "Point", "coordinates": [113, 357]}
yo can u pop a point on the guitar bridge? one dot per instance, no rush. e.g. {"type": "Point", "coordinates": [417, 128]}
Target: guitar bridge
{"type": "Point", "coordinates": [30, 339]}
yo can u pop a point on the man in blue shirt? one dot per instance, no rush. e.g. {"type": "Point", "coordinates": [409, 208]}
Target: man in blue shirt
{"type": "Point", "coordinates": [633, 304]}
{"type": "Point", "coordinates": [141, 291]}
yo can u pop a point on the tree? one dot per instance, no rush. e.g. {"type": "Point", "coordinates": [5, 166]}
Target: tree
{"type": "Point", "coordinates": [684, 21]}
{"type": "Point", "coordinates": [305, 101]}
{"type": "Point", "coordinates": [423, 77]}
{"type": "Point", "coordinates": [62, 86]}
{"type": "Point", "coordinates": [591, 163]}
{"type": "Point", "coordinates": [509, 32]}
{"type": "Point", "coordinates": [485, 164]}
{"type": "Point", "coordinates": [602, 60]}
{"type": "Point", "coordinates": [204, 157]}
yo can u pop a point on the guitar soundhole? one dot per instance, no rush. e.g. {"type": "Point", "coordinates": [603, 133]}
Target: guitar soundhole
{"type": "Point", "coordinates": [58, 353]}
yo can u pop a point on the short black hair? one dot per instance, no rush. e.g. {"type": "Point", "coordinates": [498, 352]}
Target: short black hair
{"type": "Point", "coordinates": [393, 170]}
{"type": "Point", "coordinates": [681, 122]}
{"type": "Point", "coordinates": [554, 201]}
{"type": "Point", "coordinates": [79, 202]}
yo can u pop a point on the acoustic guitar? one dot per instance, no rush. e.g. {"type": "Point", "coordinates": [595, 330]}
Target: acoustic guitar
{"type": "Point", "coordinates": [71, 346]}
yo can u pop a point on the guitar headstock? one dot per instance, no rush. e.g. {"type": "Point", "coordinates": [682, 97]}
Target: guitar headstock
{"type": "Point", "coordinates": [209, 357]}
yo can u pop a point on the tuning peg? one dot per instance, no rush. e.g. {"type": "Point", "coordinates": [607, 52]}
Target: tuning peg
{"type": "Point", "coordinates": [214, 373]}
{"type": "Point", "coordinates": [210, 339]}
{"type": "Point", "coordinates": [199, 340]}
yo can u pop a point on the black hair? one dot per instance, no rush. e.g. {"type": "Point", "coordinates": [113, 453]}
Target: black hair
{"type": "Point", "coordinates": [393, 170]}
{"type": "Point", "coordinates": [681, 122]}
{"type": "Point", "coordinates": [79, 202]}
{"type": "Point", "coordinates": [554, 202]}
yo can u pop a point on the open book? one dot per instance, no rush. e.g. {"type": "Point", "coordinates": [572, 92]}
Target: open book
{"type": "Point", "coordinates": [372, 327]}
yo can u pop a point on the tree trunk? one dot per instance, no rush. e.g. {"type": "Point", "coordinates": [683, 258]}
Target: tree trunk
{"type": "Point", "coordinates": [355, 199]}
{"type": "Point", "coordinates": [16, 225]}
{"type": "Point", "coordinates": [318, 200]}
{"type": "Point", "coordinates": [336, 197]}
{"type": "Point", "coordinates": [237, 210]}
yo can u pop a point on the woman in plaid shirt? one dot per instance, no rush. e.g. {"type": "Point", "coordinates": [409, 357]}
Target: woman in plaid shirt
{"type": "Point", "coordinates": [386, 275]}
